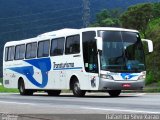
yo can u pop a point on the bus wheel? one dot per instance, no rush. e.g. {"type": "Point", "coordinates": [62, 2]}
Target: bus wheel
{"type": "Point", "coordinates": [76, 89]}
{"type": "Point", "coordinates": [54, 92]}
{"type": "Point", "coordinates": [114, 93]}
{"type": "Point", "coordinates": [22, 90]}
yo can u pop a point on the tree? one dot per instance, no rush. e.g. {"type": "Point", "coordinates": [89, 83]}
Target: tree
{"type": "Point", "coordinates": [137, 17]}
{"type": "Point", "coordinates": [152, 60]}
{"type": "Point", "coordinates": [107, 19]}
{"type": "Point", "coordinates": [156, 10]}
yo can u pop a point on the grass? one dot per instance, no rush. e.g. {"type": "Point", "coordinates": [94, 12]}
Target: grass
{"type": "Point", "coordinates": [7, 90]}
{"type": "Point", "coordinates": [153, 87]}
{"type": "Point", "coordinates": [151, 90]}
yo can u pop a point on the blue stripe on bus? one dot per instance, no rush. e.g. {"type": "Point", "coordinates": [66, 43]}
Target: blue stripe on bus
{"type": "Point", "coordinates": [67, 68]}
{"type": "Point", "coordinates": [43, 64]}
{"type": "Point", "coordinates": [128, 75]}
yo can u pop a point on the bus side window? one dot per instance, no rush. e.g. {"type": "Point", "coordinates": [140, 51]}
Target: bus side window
{"type": "Point", "coordinates": [9, 53]}
{"type": "Point", "coordinates": [72, 44]}
{"type": "Point", "coordinates": [20, 52]}
{"type": "Point", "coordinates": [31, 50]}
{"type": "Point", "coordinates": [6, 53]}
{"type": "Point", "coordinates": [43, 48]}
{"type": "Point", "coordinates": [90, 52]}
{"type": "Point", "coordinates": [57, 46]}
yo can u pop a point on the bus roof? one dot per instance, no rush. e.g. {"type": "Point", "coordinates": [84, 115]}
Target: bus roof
{"type": "Point", "coordinates": [108, 28]}
{"type": "Point", "coordinates": [65, 32]}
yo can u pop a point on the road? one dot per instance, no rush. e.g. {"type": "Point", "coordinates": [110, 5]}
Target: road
{"type": "Point", "coordinates": [94, 104]}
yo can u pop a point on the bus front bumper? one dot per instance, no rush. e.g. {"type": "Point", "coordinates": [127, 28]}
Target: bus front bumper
{"type": "Point", "coordinates": [106, 84]}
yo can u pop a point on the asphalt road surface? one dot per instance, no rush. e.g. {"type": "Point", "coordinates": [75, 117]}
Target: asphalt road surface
{"type": "Point", "coordinates": [67, 107]}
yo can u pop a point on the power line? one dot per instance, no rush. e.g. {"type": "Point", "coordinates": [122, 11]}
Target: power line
{"type": "Point", "coordinates": [39, 13]}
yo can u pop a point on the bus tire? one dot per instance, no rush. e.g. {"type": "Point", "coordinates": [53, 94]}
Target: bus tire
{"type": "Point", "coordinates": [114, 93]}
{"type": "Point", "coordinates": [22, 90]}
{"type": "Point", "coordinates": [76, 89]}
{"type": "Point", "coordinates": [54, 92]}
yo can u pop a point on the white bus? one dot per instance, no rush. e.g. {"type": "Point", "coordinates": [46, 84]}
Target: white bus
{"type": "Point", "coordinates": [81, 60]}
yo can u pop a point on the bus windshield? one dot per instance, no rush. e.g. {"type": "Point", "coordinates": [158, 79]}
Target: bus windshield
{"type": "Point", "coordinates": [122, 52]}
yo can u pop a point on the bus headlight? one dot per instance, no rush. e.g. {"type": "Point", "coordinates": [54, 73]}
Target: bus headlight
{"type": "Point", "coordinates": [106, 77]}
{"type": "Point", "coordinates": [141, 77]}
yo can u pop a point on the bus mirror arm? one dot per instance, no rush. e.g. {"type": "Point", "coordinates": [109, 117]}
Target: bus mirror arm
{"type": "Point", "coordinates": [99, 43]}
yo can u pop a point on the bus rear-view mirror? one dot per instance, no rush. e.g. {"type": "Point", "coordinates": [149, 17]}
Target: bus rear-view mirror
{"type": "Point", "coordinates": [148, 44]}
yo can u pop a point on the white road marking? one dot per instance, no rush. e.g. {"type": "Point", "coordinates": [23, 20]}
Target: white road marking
{"type": "Point", "coordinates": [7, 102]}
{"type": "Point", "coordinates": [140, 94]}
{"type": "Point", "coordinates": [88, 108]}
{"type": "Point", "coordinates": [121, 110]}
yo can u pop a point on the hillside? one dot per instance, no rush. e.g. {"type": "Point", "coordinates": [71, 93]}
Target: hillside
{"type": "Point", "coordinates": [153, 63]}
{"type": "Point", "coordinates": [20, 19]}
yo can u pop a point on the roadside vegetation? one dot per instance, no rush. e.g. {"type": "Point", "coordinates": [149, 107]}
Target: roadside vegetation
{"type": "Point", "coordinates": [6, 90]}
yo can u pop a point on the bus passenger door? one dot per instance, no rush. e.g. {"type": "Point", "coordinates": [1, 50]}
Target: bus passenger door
{"type": "Point", "coordinates": [90, 58]}
{"type": "Point", "coordinates": [57, 50]}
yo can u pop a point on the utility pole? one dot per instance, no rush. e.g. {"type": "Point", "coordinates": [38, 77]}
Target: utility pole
{"type": "Point", "coordinates": [86, 13]}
